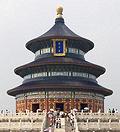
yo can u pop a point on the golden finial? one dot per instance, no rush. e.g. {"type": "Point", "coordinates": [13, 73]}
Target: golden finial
{"type": "Point", "coordinates": [59, 11]}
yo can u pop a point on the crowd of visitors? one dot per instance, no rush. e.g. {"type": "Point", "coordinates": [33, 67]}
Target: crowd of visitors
{"type": "Point", "coordinates": [113, 111]}
{"type": "Point", "coordinates": [55, 118]}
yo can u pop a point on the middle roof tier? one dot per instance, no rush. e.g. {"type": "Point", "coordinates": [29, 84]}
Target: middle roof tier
{"type": "Point", "coordinates": [54, 63]}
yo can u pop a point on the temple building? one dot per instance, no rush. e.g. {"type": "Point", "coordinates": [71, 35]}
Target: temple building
{"type": "Point", "coordinates": [59, 77]}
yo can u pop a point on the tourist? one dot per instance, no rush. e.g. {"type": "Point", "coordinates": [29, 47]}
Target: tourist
{"type": "Point", "coordinates": [58, 113]}
{"type": "Point", "coordinates": [113, 111]}
{"type": "Point", "coordinates": [116, 111]}
{"type": "Point", "coordinates": [59, 122]}
{"type": "Point", "coordinates": [56, 122]}
{"type": "Point", "coordinates": [109, 111]}
{"type": "Point", "coordinates": [99, 111]}
{"type": "Point", "coordinates": [73, 122]}
{"type": "Point", "coordinates": [49, 129]}
{"type": "Point", "coordinates": [1, 111]}
{"type": "Point", "coordinates": [62, 114]}
{"type": "Point", "coordinates": [67, 116]}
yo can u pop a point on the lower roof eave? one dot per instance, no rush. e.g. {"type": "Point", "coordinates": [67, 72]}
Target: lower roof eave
{"type": "Point", "coordinates": [58, 87]}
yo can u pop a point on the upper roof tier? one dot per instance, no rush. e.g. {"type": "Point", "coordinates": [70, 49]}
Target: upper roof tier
{"type": "Point", "coordinates": [59, 30]}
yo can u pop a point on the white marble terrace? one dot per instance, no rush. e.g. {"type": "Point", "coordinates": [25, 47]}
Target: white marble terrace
{"type": "Point", "coordinates": [83, 122]}
{"type": "Point", "coordinates": [22, 122]}
{"type": "Point", "coordinates": [97, 122]}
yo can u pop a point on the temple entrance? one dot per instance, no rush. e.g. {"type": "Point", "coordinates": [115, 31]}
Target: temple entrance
{"type": "Point", "coordinates": [84, 107]}
{"type": "Point", "coordinates": [59, 106]}
{"type": "Point", "coordinates": [35, 107]}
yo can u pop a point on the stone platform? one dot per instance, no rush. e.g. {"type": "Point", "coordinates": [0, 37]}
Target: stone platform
{"type": "Point", "coordinates": [37, 122]}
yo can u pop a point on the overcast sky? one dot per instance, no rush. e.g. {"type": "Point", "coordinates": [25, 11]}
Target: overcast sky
{"type": "Point", "coordinates": [23, 20]}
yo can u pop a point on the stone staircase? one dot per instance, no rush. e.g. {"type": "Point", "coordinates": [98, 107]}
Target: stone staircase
{"type": "Point", "coordinates": [68, 127]}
